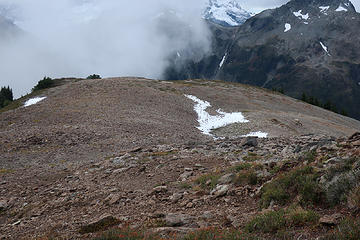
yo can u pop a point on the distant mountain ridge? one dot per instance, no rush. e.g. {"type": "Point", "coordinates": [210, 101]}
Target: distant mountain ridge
{"type": "Point", "coordinates": [304, 46]}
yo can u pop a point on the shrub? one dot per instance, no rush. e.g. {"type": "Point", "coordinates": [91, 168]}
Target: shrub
{"type": "Point", "coordinates": [269, 222]}
{"type": "Point", "coordinates": [46, 82]}
{"type": "Point", "coordinates": [277, 221]}
{"type": "Point", "coordinates": [208, 178]}
{"type": "Point", "coordinates": [94, 76]}
{"type": "Point", "coordinates": [246, 177]}
{"type": "Point", "coordinates": [349, 229]}
{"type": "Point", "coordinates": [354, 198]}
{"type": "Point", "coordinates": [301, 182]}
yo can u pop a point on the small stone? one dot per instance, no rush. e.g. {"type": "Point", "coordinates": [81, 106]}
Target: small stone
{"type": "Point", "coordinates": [226, 178]}
{"type": "Point", "coordinates": [3, 205]}
{"type": "Point", "coordinates": [177, 220]}
{"type": "Point", "coordinates": [186, 175]}
{"type": "Point", "coordinates": [250, 141]}
{"type": "Point", "coordinates": [175, 197]}
{"type": "Point", "coordinates": [159, 189]}
{"type": "Point", "coordinates": [331, 220]}
{"type": "Point", "coordinates": [220, 190]}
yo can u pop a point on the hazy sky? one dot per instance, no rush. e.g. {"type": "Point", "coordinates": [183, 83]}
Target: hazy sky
{"type": "Point", "coordinates": [108, 37]}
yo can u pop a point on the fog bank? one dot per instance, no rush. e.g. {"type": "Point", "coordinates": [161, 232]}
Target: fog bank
{"type": "Point", "coordinates": [77, 38]}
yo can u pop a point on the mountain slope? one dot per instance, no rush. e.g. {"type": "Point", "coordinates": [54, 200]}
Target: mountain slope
{"type": "Point", "coordinates": [302, 47]}
{"type": "Point", "coordinates": [130, 148]}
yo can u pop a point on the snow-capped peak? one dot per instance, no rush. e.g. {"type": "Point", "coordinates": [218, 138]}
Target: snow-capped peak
{"type": "Point", "coordinates": [226, 12]}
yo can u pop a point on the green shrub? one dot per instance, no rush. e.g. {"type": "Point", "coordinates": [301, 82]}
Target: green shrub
{"type": "Point", "coordinates": [349, 229]}
{"type": "Point", "coordinates": [46, 82]}
{"type": "Point", "coordinates": [204, 179]}
{"type": "Point", "coordinates": [269, 222]}
{"type": "Point", "coordinates": [302, 182]}
{"type": "Point", "coordinates": [246, 177]}
{"type": "Point", "coordinates": [94, 76]}
{"type": "Point", "coordinates": [279, 221]}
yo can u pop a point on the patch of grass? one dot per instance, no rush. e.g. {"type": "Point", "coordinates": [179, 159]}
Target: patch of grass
{"type": "Point", "coordinates": [126, 234]}
{"type": "Point", "coordinates": [280, 221]}
{"type": "Point", "coordinates": [246, 177]}
{"type": "Point", "coordinates": [4, 171]}
{"type": "Point", "coordinates": [242, 166]}
{"type": "Point", "coordinates": [251, 157]}
{"type": "Point", "coordinates": [354, 198]}
{"type": "Point", "coordinates": [302, 182]}
{"type": "Point", "coordinates": [344, 166]}
{"type": "Point", "coordinates": [349, 229]}
{"type": "Point", "coordinates": [101, 225]}
{"type": "Point", "coordinates": [301, 217]}
{"type": "Point", "coordinates": [185, 186]}
{"type": "Point", "coordinates": [214, 234]}
{"type": "Point", "coordinates": [310, 156]}
{"type": "Point", "coordinates": [208, 181]}
{"type": "Point", "coordinates": [270, 222]}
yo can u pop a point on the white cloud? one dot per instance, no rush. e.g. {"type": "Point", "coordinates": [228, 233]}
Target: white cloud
{"type": "Point", "coordinates": [107, 37]}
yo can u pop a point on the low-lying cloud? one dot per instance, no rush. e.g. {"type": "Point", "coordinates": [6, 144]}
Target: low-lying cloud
{"type": "Point", "coordinates": [107, 37]}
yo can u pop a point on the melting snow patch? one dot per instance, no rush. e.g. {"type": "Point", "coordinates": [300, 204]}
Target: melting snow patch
{"type": "Point", "coordinates": [178, 54]}
{"type": "Point", "coordinates": [298, 14]}
{"type": "Point", "coordinates": [341, 9]}
{"type": "Point", "coordinates": [287, 27]}
{"type": "Point", "coordinates": [33, 101]}
{"type": "Point", "coordinates": [325, 48]}
{"type": "Point", "coordinates": [306, 23]}
{"type": "Point", "coordinates": [323, 9]}
{"type": "Point", "coordinates": [208, 122]}
{"type": "Point", "coordinates": [257, 134]}
{"type": "Point", "coordinates": [222, 61]}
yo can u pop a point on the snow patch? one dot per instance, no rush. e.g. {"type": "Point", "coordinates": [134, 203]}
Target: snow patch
{"type": "Point", "coordinates": [325, 48]}
{"type": "Point", "coordinates": [222, 61]}
{"type": "Point", "coordinates": [208, 122]}
{"type": "Point", "coordinates": [33, 101]}
{"type": "Point", "coordinates": [287, 27]}
{"type": "Point", "coordinates": [178, 54]}
{"type": "Point", "coordinates": [341, 8]}
{"type": "Point", "coordinates": [323, 9]}
{"type": "Point", "coordinates": [306, 23]}
{"type": "Point", "coordinates": [298, 14]}
{"type": "Point", "coordinates": [257, 134]}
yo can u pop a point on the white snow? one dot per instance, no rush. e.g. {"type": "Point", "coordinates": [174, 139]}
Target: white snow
{"type": "Point", "coordinates": [306, 23]}
{"type": "Point", "coordinates": [222, 61]}
{"type": "Point", "coordinates": [323, 9]}
{"type": "Point", "coordinates": [208, 122]}
{"type": "Point", "coordinates": [325, 48]}
{"type": "Point", "coordinates": [298, 14]}
{"type": "Point", "coordinates": [227, 11]}
{"type": "Point", "coordinates": [33, 101]}
{"type": "Point", "coordinates": [287, 27]}
{"type": "Point", "coordinates": [341, 8]}
{"type": "Point", "coordinates": [178, 54]}
{"type": "Point", "coordinates": [257, 134]}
